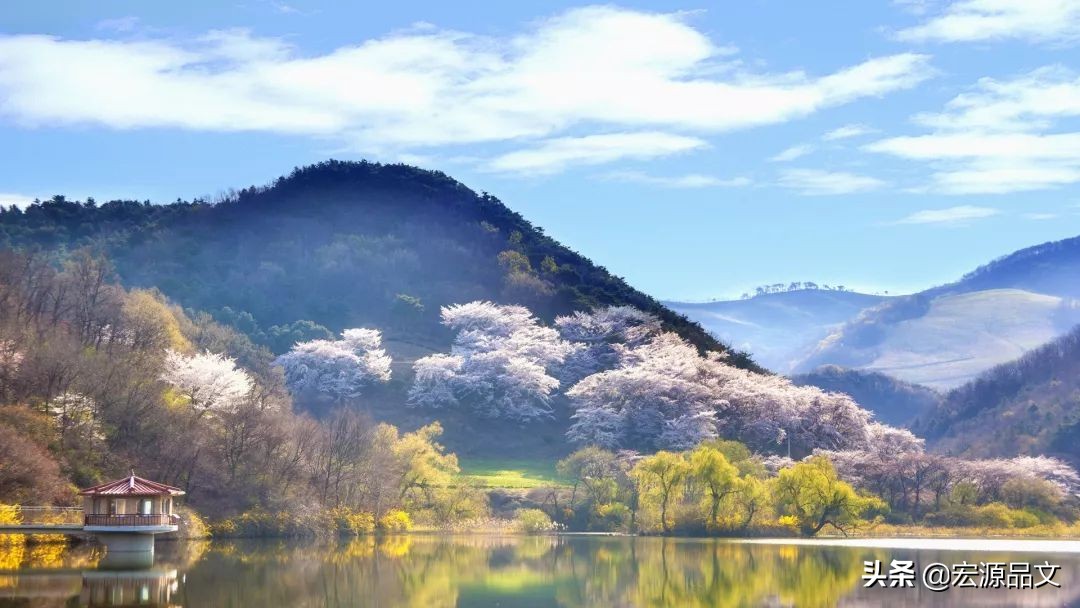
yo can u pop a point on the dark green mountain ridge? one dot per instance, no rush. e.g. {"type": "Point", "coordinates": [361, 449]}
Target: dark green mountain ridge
{"type": "Point", "coordinates": [339, 244]}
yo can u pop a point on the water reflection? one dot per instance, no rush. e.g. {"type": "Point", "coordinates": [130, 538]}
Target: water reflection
{"type": "Point", "coordinates": [434, 571]}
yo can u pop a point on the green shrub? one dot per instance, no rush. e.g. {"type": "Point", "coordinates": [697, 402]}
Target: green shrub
{"type": "Point", "coordinates": [993, 515]}
{"type": "Point", "coordinates": [533, 521]}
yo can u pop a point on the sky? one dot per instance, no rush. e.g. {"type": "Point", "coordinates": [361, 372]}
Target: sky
{"type": "Point", "coordinates": [698, 150]}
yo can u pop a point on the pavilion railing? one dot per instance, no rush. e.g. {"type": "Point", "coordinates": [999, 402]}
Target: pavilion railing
{"type": "Point", "coordinates": [129, 520]}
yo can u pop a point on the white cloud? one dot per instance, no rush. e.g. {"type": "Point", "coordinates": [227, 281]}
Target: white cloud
{"type": "Point", "coordinates": [554, 155]}
{"type": "Point", "coordinates": [951, 215]}
{"type": "Point", "coordinates": [847, 132]}
{"type": "Point", "coordinates": [689, 180]}
{"type": "Point", "coordinates": [587, 69]}
{"type": "Point", "coordinates": [1000, 137]}
{"type": "Point", "coordinates": [1039, 216]}
{"type": "Point", "coordinates": [813, 182]}
{"type": "Point", "coordinates": [19, 200]}
{"type": "Point", "coordinates": [978, 20]}
{"type": "Point", "coordinates": [790, 154]}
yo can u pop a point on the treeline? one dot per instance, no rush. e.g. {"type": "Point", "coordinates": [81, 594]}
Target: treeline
{"type": "Point", "coordinates": [96, 380]}
{"type": "Point", "coordinates": [721, 488]}
{"type": "Point", "coordinates": [892, 400]}
{"type": "Point", "coordinates": [762, 290]}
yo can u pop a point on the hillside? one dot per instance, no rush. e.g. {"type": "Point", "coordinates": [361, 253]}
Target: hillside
{"type": "Point", "coordinates": [346, 244]}
{"type": "Point", "coordinates": [893, 401]}
{"type": "Point", "coordinates": [1027, 406]}
{"type": "Point", "coordinates": [940, 337]}
{"type": "Point", "coordinates": [1049, 268]}
{"type": "Point", "coordinates": [778, 329]}
{"type": "Point", "coordinates": [947, 335]}
{"type": "Point", "coordinates": [944, 340]}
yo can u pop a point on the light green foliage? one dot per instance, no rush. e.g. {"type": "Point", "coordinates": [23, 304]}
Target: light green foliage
{"type": "Point", "coordinates": [661, 482]}
{"type": "Point", "coordinates": [601, 493]}
{"type": "Point", "coordinates": [510, 473]}
{"type": "Point", "coordinates": [533, 521]}
{"type": "Point", "coordinates": [812, 494]}
{"type": "Point", "coordinates": [514, 262]}
{"type": "Point", "coordinates": [710, 470]}
{"type": "Point", "coordinates": [992, 515]}
{"type": "Point", "coordinates": [1029, 492]}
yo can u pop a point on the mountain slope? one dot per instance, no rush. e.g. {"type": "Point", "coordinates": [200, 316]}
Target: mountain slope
{"type": "Point", "coordinates": [945, 340]}
{"type": "Point", "coordinates": [947, 335]}
{"type": "Point", "coordinates": [893, 401]}
{"type": "Point", "coordinates": [1027, 406]}
{"type": "Point", "coordinates": [343, 244]}
{"type": "Point", "coordinates": [339, 243]}
{"type": "Point", "coordinates": [779, 329]}
{"type": "Point", "coordinates": [940, 337]}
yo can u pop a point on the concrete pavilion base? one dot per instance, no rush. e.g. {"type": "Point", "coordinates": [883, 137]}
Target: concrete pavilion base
{"type": "Point", "coordinates": [126, 542]}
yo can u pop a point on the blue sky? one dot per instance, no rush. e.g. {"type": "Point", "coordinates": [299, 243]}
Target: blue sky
{"type": "Point", "coordinates": [697, 151]}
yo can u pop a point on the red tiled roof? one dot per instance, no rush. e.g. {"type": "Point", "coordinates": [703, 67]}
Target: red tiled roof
{"type": "Point", "coordinates": [132, 486]}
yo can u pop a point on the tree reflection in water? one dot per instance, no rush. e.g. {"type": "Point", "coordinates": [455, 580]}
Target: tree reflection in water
{"type": "Point", "coordinates": [435, 571]}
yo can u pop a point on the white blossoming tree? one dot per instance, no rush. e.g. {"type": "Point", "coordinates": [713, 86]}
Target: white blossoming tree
{"type": "Point", "coordinates": [598, 332]}
{"type": "Point", "coordinates": [500, 364]}
{"type": "Point", "coordinates": [341, 369]}
{"type": "Point", "coordinates": [211, 382]}
{"type": "Point", "coordinates": [664, 395]}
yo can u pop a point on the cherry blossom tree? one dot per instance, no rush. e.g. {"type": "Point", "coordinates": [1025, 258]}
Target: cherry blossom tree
{"type": "Point", "coordinates": [211, 382]}
{"type": "Point", "coordinates": [597, 332]}
{"type": "Point", "coordinates": [500, 364]}
{"type": "Point", "coordinates": [342, 369]}
{"type": "Point", "coordinates": [663, 394]}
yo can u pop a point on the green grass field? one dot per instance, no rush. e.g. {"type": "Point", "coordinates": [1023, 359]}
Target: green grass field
{"type": "Point", "coordinates": [509, 473]}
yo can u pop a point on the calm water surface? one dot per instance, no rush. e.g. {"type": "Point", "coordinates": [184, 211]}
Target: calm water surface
{"type": "Point", "coordinates": [434, 571]}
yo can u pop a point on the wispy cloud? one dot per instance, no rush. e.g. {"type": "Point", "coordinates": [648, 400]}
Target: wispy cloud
{"type": "Point", "coordinates": [118, 24]}
{"type": "Point", "coordinates": [792, 153]}
{"type": "Point", "coordinates": [285, 9]}
{"type": "Point", "coordinates": [689, 180]}
{"type": "Point", "coordinates": [581, 72]}
{"type": "Point", "coordinates": [1039, 216]}
{"type": "Point", "coordinates": [952, 215]}
{"type": "Point", "coordinates": [554, 155]}
{"type": "Point", "coordinates": [978, 20]}
{"type": "Point", "coordinates": [19, 200]}
{"type": "Point", "coordinates": [813, 182]}
{"type": "Point", "coordinates": [847, 132]}
{"type": "Point", "coordinates": [1000, 137]}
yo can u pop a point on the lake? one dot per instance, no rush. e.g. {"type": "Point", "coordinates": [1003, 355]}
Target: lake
{"type": "Point", "coordinates": [479, 570]}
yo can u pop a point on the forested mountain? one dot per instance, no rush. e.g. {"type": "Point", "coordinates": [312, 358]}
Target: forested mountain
{"type": "Point", "coordinates": [1027, 406]}
{"type": "Point", "coordinates": [337, 245]}
{"type": "Point", "coordinates": [892, 401]}
{"type": "Point", "coordinates": [778, 327]}
{"type": "Point", "coordinates": [343, 245]}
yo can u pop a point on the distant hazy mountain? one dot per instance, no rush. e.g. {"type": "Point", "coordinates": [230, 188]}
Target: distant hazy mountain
{"type": "Point", "coordinates": [946, 340]}
{"type": "Point", "coordinates": [1027, 406]}
{"type": "Point", "coordinates": [778, 329]}
{"type": "Point", "coordinates": [893, 401]}
{"type": "Point", "coordinates": [947, 335]}
{"type": "Point", "coordinates": [940, 338]}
